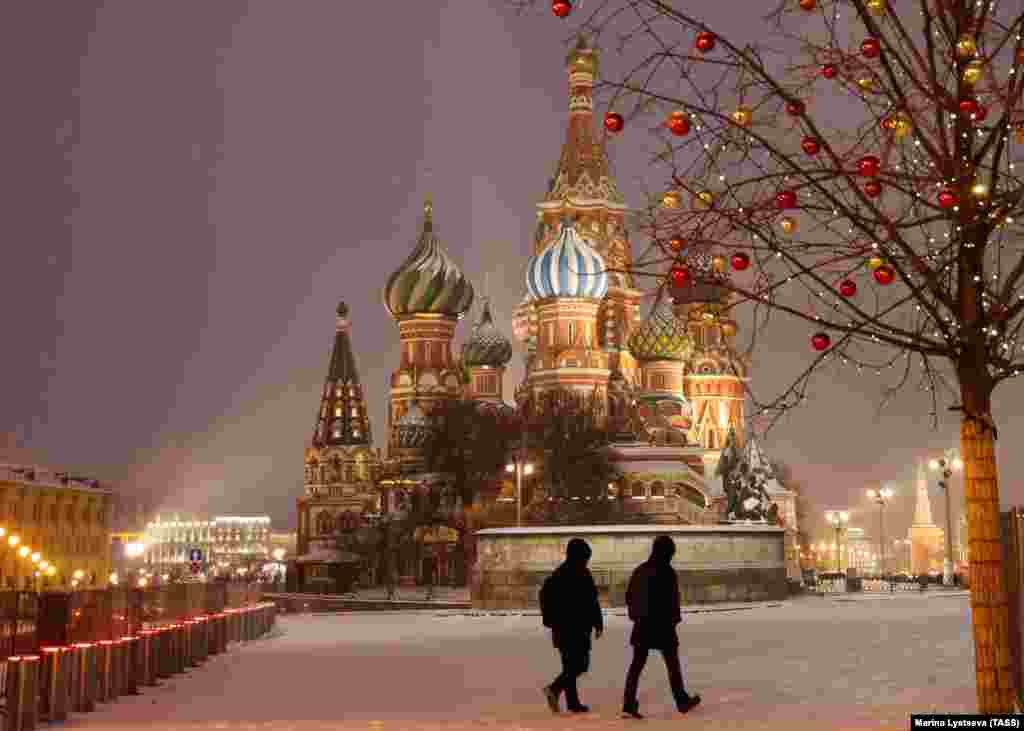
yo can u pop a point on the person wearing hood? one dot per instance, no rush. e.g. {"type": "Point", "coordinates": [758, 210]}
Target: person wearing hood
{"type": "Point", "coordinates": [652, 599]}
{"type": "Point", "coordinates": [569, 606]}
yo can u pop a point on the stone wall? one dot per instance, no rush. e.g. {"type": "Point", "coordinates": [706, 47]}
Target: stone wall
{"type": "Point", "coordinates": [729, 563]}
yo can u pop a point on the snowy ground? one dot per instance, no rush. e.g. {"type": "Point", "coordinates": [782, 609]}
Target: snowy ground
{"type": "Point", "coordinates": [812, 663]}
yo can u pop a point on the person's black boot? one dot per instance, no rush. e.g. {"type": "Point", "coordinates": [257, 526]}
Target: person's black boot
{"type": "Point", "coordinates": [689, 704]}
{"type": "Point", "coordinates": [631, 711]}
{"type": "Point", "coordinates": [551, 695]}
{"type": "Point", "coordinates": [580, 708]}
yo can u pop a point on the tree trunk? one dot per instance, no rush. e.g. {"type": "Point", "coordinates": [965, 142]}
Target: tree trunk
{"type": "Point", "coordinates": [989, 601]}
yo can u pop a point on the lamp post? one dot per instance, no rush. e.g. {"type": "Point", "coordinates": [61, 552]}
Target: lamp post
{"type": "Point", "coordinates": [838, 519]}
{"type": "Point", "coordinates": [882, 498]}
{"type": "Point", "coordinates": [520, 467]}
{"type": "Point", "coordinates": [949, 462]}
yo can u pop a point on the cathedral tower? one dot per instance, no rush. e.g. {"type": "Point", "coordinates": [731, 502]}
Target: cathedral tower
{"type": "Point", "coordinates": [427, 296]}
{"type": "Point", "coordinates": [484, 355]}
{"type": "Point", "coordinates": [340, 465]}
{"type": "Point", "coordinates": [583, 190]}
{"type": "Point", "coordinates": [716, 374]}
{"type": "Point", "coordinates": [567, 281]}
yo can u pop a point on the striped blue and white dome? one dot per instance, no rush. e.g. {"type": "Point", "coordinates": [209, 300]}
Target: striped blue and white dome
{"type": "Point", "coordinates": [568, 267]}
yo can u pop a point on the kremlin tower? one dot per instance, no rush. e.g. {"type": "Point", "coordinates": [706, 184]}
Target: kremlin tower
{"type": "Point", "coordinates": [581, 197]}
{"type": "Point", "coordinates": [427, 296]}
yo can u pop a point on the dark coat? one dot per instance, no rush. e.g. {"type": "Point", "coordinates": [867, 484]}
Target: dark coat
{"type": "Point", "coordinates": [652, 599]}
{"type": "Point", "coordinates": [570, 607]}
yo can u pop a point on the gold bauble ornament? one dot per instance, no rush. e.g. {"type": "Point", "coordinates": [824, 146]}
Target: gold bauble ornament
{"type": "Point", "coordinates": [743, 116]}
{"type": "Point", "coordinates": [788, 224]}
{"type": "Point", "coordinates": [718, 264]}
{"type": "Point", "coordinates": [867, 83]}
{"type": "Point", "coordinates": [900, 125]}
{"type": "Point", "coordinates": [875, 262]}
{"type": "Point", "coordinates": [1018, 134]}
{"type": "Point", "coordinates": [728, 328]}
{"type": "Point", "coordinates": [704, 199]}
{"type": "Point", "coordinates": [876, 7]}
{"type": "Point", "coordinates": [966, 47]}
{"type": "Point", "coordinates": [671, 199]}
{"type": "Point", "coordinates": [973, 72]}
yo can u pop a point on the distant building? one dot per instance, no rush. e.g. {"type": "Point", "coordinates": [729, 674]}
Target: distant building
{"type": "Point", "coordinates": [62, 517]}
{"type": "Point", "coordinates": [926, 538]}
{"type": "Point", "coordinates": [227, 544]}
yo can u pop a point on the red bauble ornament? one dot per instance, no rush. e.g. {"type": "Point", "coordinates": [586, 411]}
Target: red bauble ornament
{"type": "Point", "coordinates": [981, 113]}
{"type": "Point", "coordinates": [872, 189]}
{"type": "Point", "coordinates": [811, 145]}
{"type": "Point", "coordinates": [871, 48]}
{"type": "Point", "coordinates": [679, 123]}
{"type": "Point", "coordinates": [785, 199]}
{"type": "Point", "coordinates": [705, 41]}
{"type": "Point", "coordinates": [613, 122]}
{"type": "Point", "coordinates": [561, 8]}
{"type": "Point", "coordinates": [847, 288]}
{"type": "Point", "coordinates": [829, 70]}
{"type": "Point", "coordinates": [740, 261]}
{"type": "Point", "coordinates": [676, 243]}
{"type": "Point", "coordinates": [795, 108]}
{"type": "Point", "coordinates": [884, 275]}
{"type": "Point", "coordinates": [948, 198]}
{"type": "Point", "coordinates": [920, 265]}
{"type": "Point", "coordinates": [821, 341]}
{"type": "Point", "coordinates": [969, 107]}
{"type": "Point", "coordinates": [679, 275]}
{"type": "Point", "coordinates": [869, 166]}
{"type": "Point", "coordinates": [808, 5]}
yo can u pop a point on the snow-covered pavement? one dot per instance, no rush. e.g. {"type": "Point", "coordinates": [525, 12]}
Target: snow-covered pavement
{"type": "Point", "coordinates": [806, 664]}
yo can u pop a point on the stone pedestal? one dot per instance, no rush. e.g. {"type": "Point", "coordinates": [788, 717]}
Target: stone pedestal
{"type": "Point", "coordinates": [721, 563]}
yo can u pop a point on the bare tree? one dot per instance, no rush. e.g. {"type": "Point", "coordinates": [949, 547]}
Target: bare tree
{"type": "Point", "coordinates": [886, 217]}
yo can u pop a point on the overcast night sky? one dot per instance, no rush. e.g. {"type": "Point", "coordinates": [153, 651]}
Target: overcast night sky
{"type": "Point", "coordinates": [189, 189]}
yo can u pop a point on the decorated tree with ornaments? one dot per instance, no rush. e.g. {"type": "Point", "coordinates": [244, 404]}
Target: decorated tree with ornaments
{"type": "Point", "coordinates": [856, 169]}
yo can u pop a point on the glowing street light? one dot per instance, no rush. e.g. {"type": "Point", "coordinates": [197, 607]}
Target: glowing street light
{"type": "Point", "coordinates": [13, 541]}
{"type": "Point", "coordinates": [36, 557]}
{"type": "Point", "coordinates": [838, 519]}
{"type": "Point", "coordinates": [949, 462]}
{"type": "Point", "coordinates": [24, 551]}
{"type": "Point", "coordinates": [520, 468]}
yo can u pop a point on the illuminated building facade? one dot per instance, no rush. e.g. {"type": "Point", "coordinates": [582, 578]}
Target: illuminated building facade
{"type": "Point", "coordinates": [227, 543]}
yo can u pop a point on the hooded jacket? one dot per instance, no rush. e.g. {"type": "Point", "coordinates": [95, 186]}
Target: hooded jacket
{"type": "Point", "coordinates": [652, 598]}
{"type": "Point", "coordinates": [569, 600]}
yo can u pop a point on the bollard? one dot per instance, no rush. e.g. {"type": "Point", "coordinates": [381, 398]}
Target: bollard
{"type": "Point", "coordinates": [103, 653]}
{"type": "Point", "coordinates": [16, 692]}
{"type": "Point", "coordinates": [204, 638]}
{"type": "Point", "coordinates": [178, 634]}
{"type": "Point", "coordinates": [161, 653]}
{"type": "Point", "coordinates": [233, 622]}
{"type": "Point", "coordinates": [188, 642]}
{"type": "Point", "coordinates": [129, 672]}
{"type": "Point", "coordinates": [84, 690]}
{"type": "Point", "coordinates": [116, 668]}
{"type": "Point", "coordinates": [220, 635]}
{"type": "Point", "coordinates": [53, 688]}
{"type": "Point", "coordinates": [246, 624]}
{"type": "Point", "coordinates": [145, 667]}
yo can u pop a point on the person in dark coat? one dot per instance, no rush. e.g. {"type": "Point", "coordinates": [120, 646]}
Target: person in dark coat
{"type": "Point", "coordinates": [652, 599]}
{"type": "Point", "coordinates": [569, 606]}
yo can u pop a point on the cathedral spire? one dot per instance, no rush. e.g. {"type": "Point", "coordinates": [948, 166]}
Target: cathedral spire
{"type": "Point", "coordinates": [342, 419]}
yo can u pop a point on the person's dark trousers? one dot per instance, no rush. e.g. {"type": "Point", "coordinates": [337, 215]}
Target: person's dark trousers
{"type": "Point", "coordinates": [675, 675]}
{"type": "Point", "coordinates": [575, 662]}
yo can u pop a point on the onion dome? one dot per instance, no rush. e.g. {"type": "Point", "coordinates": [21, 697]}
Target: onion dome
{"type": "Point", "coordinates": [413, 429]}
{"type": "Point", "coordinates": [661, 337]}
{"type": "Point", "coordinates": [486, 346]}
{"type": "Point", "coordinates": [428, 282]}
{"type": "Point", "coordinates": [568, 267]}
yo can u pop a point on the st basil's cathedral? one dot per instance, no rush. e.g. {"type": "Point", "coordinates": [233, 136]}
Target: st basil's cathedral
{"type": "Point", "coordinates": [674, 376]}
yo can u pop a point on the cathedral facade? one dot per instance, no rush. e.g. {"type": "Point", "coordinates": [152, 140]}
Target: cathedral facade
{"type": "Point", "coordinates": [672, 382]}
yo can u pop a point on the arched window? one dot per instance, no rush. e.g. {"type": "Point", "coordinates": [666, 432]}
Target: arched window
{"type": "Point", "coordinates": [658, 489]}
{"type": "Point", "coordinates": [324, 523]}
{"type": "Point", "coordinates": [637, 492]}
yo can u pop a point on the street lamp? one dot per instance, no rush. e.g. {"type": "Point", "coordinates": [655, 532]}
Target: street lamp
{"type": "Point", "coordinates": [838, 519]}
{"type": "Point", "coordinates": [949, 462]}
{"type": "Point", "coordinates": [521, 468]}
{"type": "Point", "coordinates": [882, 498]}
